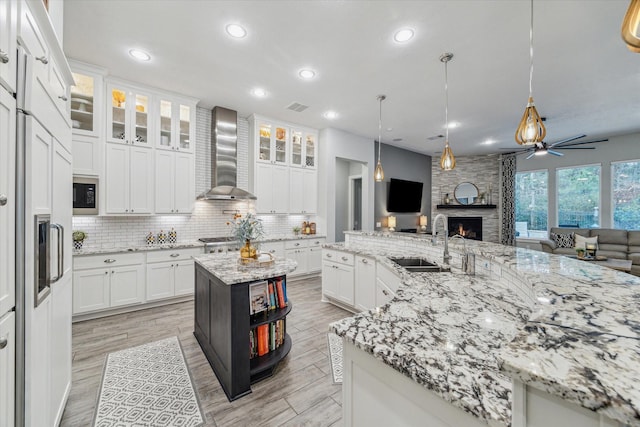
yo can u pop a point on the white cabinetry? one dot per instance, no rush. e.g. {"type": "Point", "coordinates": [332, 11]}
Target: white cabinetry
{"type": "Point", "coordinates": [176, 124]}
{"type": "Point", "coordinates": [105, 281]}
{"type": "Point", "coordinates": [7, 369]}
{"type": "Point", "coordinates": [7, 199]}
{"type": "Point", "coordinates": [129, 176]}
{"type": "Point", "coordinates": [270, 188]}
{"type": "Point", "coordinates": [276, 249]}
{"type": "Point", "coordinates": [314, 256]}
{"type": "Point", "coordinates": [128, 117]}
{"type": "Point", "coordinates": [307, 253]}
{"type": "Point", "coordinates": [170, 273]}
{"type": "Point", "coordinates": [303, 194]}
{"type": "Point", "coordinates": [387, 283]}
{"type": "Point", "coordinates": [8, 28]}
{"type": "Point", "coordinates": [303, 148]}
{"type": "Point", "coordinates": [365, 279]}
{"type": "Point", "coordinates": [175, 182]}
{"type": "Point", "coordinates": [337, 276]}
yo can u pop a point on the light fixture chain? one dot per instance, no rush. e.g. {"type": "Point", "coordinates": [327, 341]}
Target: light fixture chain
{"type": "Point", "coordinates": [446, 102]}
{"type": "Point", "coordinates": [531, 54]}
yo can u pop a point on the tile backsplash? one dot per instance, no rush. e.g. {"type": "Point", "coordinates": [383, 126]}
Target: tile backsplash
{"type": "Point", "coordinates": [209, 218]}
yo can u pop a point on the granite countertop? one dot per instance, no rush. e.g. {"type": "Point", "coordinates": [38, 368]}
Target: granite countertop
{"type": "Point", "coordinates": [278, 237]}
{"type": "Point", "coordinates": [226, 268]}
{"type": "Point", "coordinates": [88, 250]}
{"type": "Point", "coordinates": [464, 337]}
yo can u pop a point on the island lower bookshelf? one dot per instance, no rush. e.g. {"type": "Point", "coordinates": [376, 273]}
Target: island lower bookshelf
{"type": "Point", "coordinates": [222, 327]}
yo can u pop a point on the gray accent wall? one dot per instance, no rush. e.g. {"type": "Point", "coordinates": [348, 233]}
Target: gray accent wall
{"type": "Point", "coordinates": [402, 164]}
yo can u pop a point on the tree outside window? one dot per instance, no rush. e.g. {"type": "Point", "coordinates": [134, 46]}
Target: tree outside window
{"type": "Point", "coordinates": [625, 180]}
{"type": "Point", "coordinates": [579, 197]}
{"type": "Point", "coordinates": [532, 201]}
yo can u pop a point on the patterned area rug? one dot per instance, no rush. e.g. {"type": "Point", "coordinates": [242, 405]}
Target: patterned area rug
{"type": "Point", "coordinates": [148, 385]}
{"type": "Point", "coordinates": [335, 354]}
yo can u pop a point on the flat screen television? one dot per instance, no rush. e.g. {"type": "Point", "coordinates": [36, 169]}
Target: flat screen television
{"type": "Point", "coordinates": [404, 196]}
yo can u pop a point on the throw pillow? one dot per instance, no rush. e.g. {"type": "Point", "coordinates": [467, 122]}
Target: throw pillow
{"type": "Point", "coordinates": [563, 240]}
{"type": "Point", "coordinates": [581, 242]}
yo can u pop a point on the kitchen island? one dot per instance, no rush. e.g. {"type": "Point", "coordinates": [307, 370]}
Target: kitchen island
{"type": "Point", "coordinates": [533, 339]}
{"type": "Point", "coordinates": [223, 320]}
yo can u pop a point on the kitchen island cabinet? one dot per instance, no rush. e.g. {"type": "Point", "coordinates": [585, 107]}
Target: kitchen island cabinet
{"type": "Point", "coordinates": [223, 322]}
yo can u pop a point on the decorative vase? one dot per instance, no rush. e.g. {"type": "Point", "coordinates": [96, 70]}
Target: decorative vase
{"type": "Point", "coordinates": [247, 251]}
{"type": "Point", "coordinates": [77, 244]}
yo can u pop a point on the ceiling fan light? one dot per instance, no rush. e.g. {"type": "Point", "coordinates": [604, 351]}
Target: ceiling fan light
{"type": "Point", "coordinates": [631, 27]}
{"type": "Point", "coordinates": [447, 160]}
{"type": "Point", "coordinates": [541, 152]}
{"type": "Point", "coordinates": [531, 129]}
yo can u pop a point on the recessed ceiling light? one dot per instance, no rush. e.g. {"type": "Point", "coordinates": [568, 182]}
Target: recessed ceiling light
{"type": "Point", "coordinates": [389, 129]}
{"type": "Point", "coordinates": [140, 55]}
{"type": "Point", "coordinates": [307, 73]}
{"type": "Point", "coordinates": [489, 142]}
{"type": "Point", "coordinates": [236, 31]}
{"type": "Point", "coordinates": [331, 115]}
{"type": "Point", "coordinates": [259, 92]}
{"type": "Point", "coordinates": [404, 35]}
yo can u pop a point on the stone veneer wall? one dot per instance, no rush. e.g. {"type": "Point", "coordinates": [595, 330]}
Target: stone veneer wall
{"type": "Point", "coordinates": [484, 172]}
{"type": "Point", "coordinates": [208, 218]}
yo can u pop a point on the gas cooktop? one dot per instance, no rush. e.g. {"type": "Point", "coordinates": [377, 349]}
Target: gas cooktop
{"type": "Point", "coordinates": [216, 239]}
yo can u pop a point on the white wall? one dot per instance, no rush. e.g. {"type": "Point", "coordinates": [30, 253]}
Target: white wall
{"type": "Point", "coordinates": [336, 144]}
{"type": "Point", "coordinates": [618, 148]}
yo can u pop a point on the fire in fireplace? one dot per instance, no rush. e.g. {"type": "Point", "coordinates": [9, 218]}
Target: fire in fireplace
{"type": "Point", "coordinates": [469, 227]}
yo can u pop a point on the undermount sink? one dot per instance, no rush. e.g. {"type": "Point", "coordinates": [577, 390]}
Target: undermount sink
{"type": "Point", "coordinates": [418, 265]}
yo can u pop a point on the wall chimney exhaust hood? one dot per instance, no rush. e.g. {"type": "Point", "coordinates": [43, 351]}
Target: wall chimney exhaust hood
{"type": "Point", "coordinates": [224, 149]}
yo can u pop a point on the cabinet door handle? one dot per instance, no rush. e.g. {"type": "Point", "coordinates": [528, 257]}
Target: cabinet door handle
{"type": "Point", "coordinates": [4, 57]}
{"type": "Point", "coordinates": [364, 261]}
{"type": "Point", "coordinates": [131, 210]}
{"type": "Point", "coordinates": [42, 59]}
{"type": "Point", "coordinates": [63, 97]}
{"type": "Point", "coordinates": [297, 244]}
{"type": "Point", "coordinates": [106, 272]}
{"type": "Point", "coordinates": [3, 343]}
{"type": "Point", "coordinates": [109, 260]}
{"type": "Point", "coordinates": [3, 199]}
{"type": "Point", "coordinates": [273, 251]}
{"type": "Point", "coordinates": [384, 291]}
{"type": "Point", "coordinates": [112, 272]}
{"type": "Point", "coordinates": [344, 258]}
{"type": "Point", "coordinates": [329, 256]}
{"type": "Point", "coordinates": [174, 255]}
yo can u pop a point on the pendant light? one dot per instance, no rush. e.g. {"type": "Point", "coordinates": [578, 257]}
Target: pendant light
{"type": "Point", "coordinates": [631, 27]}
{"type": "Point", "coordinates": [531, 130]}
{"type": "Point", "coordinates": [447, 161]}
{"type": "Point", "coordinates": [378, 174]}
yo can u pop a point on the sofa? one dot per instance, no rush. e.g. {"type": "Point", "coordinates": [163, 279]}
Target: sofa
{"type": "Point", "coordinates": [612, 243]}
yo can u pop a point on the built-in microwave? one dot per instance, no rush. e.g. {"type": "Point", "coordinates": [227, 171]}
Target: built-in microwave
{"type": "Point", "coordinates": [85, 196]}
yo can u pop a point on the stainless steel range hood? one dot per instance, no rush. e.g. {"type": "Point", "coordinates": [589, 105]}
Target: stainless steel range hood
{"type": "Point", "coordinates": [224, 149]}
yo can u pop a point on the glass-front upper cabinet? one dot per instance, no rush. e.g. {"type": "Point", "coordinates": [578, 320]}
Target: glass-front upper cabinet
{"type": "Point", "coordinates": [176, 126]}
{"type": "Point", "coordinates": [272, 143]}
{"type": "Point", "coordinates": [127, 115]}
{"type": "Point", "coordinates": [303, 149]}
{"type": "Point", "coordinates": [86, 99]}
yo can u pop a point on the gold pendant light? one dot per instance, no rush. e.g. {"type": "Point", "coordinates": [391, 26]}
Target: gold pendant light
{"type": "Point", "coordinates": [631, 27]}
{"type": "Point", "coordinates": [447, 161]}
{"type": "Point", "coordinates": [530, 130]}
{"type": "Point", "coordinates": [378, 174]}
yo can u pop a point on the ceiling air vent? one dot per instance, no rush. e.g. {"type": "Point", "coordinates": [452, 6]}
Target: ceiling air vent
{"type": "Point", "coordinates": [433, 138]}
{"type": "Point", "coordinates": [297, 107]}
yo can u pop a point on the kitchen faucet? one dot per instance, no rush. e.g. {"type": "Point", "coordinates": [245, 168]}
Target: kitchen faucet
{"type": "Point", "coordinates": [445, 256]}
{"type": "Point", "coordinates": [468, 260]}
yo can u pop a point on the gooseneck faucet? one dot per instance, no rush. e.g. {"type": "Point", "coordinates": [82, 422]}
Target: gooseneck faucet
{"type": "Point", "coordinates": [445, 256]}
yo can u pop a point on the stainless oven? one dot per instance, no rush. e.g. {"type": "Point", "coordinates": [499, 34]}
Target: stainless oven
{"type": "Point", "coordinates": [85, 196]}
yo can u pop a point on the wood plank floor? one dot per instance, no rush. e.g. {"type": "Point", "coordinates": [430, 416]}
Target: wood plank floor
{"type": "Point", "coordinates": [300, 393]}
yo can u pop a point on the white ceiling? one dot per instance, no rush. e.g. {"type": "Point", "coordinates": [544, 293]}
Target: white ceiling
{"type": "Point", "coordinates": [585, 80]}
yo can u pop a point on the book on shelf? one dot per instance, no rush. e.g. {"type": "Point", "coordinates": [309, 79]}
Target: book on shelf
{"type": "Point", "coordinates": [272, 297]}
{"type": "Point", "coordinates": [258, 296]}
{"type": "Point", "coordinates": [266, 338]}
{"type": "Point", "coordinates": [281, 295]}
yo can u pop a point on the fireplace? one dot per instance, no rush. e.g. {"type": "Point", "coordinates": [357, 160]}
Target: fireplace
{"type": "Point", "coordinates": [470, 227]}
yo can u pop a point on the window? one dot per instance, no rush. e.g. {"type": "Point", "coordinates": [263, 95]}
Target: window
{"type": "Point", "coordinates": [579, 197]}
{"type": "Point", "coordinates": [532, 202]}
{"type": "Point", "coordinates": [625, 195]}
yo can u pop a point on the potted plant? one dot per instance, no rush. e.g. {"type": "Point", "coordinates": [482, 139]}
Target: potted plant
{"type": "Point", "coordinates": [296, 230]}
{"type": "Point", "coordinates": [78, 238]}
{"type": "Point", "coordinates": [244, 231]}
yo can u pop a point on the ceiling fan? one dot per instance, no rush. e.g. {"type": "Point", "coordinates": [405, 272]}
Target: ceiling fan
{"type": "Point", "coordinates": [542, 148]}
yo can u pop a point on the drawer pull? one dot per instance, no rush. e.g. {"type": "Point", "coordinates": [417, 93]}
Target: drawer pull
{"type": "Point", "coordinates": [344, 258]}
{"type": "Point", "coordinates": [297, 244]}
{"type": "Point", "coordinates": [384, 291]}
{"type": "Point", "coordinates": [364, 261]}
{"type": "Point", "coordinates": [3, 199]}
{"type": "Point", "coordinates": [4, 57]}
{"type": "Point", "coordinates": [272, 251]}
{"type": "Point", "coordinates": [3, 343]}
{"type": "Point", "coordinates": [42, 59]}
{"type": "Point", "coordinates": [174, 255]}
{"type": "Point", "coordinates": [329, 256]}
{"type": "Point", "coordinates": [63, 97]}
{"type": "Point", "coordinates": [110, 260]}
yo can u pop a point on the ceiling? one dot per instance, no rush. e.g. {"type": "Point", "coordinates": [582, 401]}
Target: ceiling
{"type": "Point", "coordinates": [585, 80]}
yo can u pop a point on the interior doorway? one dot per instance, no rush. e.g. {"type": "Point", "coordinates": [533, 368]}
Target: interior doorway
{"type": "Point", "coordinates": [355, 202]}
{"type": "Point", "coordinates": [351, 196]}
